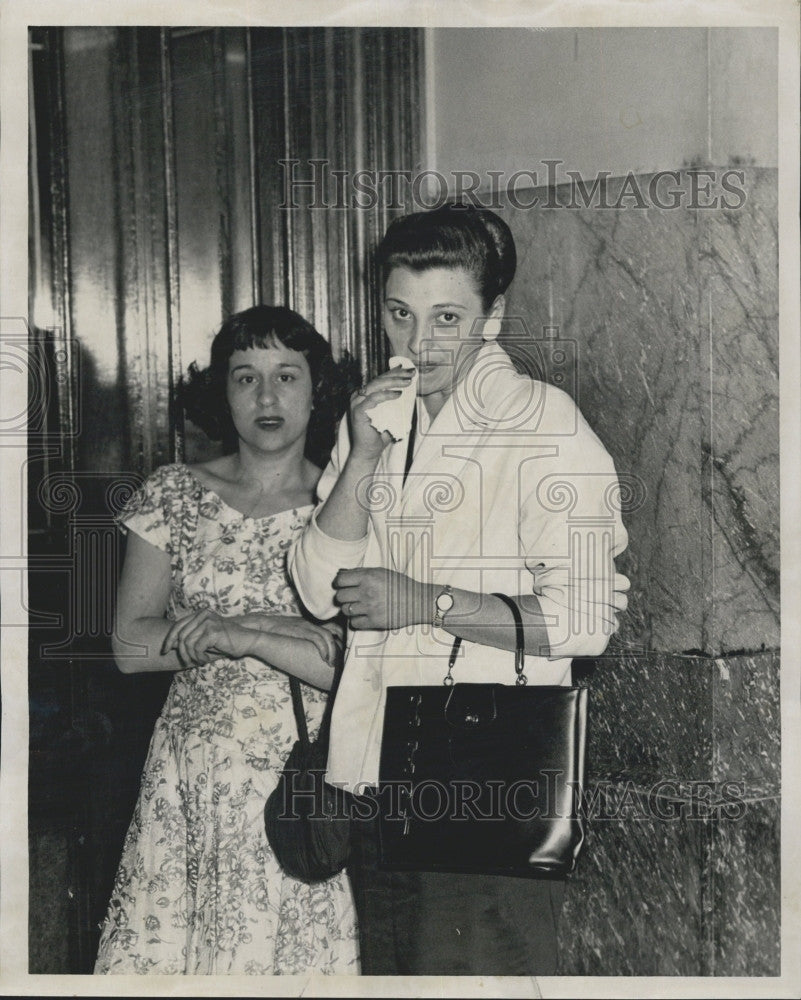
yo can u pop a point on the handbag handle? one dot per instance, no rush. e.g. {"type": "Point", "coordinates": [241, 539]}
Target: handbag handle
{"type": "Point", "coordinates": [300, 714]}
{"type": "Point", "coordinates": [520, 645]}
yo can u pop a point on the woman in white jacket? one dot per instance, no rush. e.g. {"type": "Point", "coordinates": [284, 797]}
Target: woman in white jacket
{"type": "Point", "coordinates": [498, 486]}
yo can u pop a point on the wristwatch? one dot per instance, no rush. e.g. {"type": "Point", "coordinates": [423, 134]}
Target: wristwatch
{"type": "Point", "coordinates": [442, 605]}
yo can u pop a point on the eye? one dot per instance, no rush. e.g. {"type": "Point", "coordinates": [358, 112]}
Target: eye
{"type": "Point", "coordinates": [448, 318]}
{"type": "Point", "coordinates": [286, 377]}
{"type": "Point", "coordinates": [246, 379]}
{"type": "Point", "coordinates": [399, 313]}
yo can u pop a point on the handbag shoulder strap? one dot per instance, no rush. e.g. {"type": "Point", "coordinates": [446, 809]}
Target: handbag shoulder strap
{"type": "Point", "coordinates": [520, 645]}
{"type": "Point", "coordinates": [300, 714]}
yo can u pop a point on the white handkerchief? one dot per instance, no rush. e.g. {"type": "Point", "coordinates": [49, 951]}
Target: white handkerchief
{"type": "Point", "coordinates": [395, 415]}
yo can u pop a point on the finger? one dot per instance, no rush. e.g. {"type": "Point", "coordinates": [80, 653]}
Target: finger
{"type": "Point", "coordinates": [330, 642]}
{"type": "Point", "coordinates": [319, 642]}
{"type": "Point", "coordinates": [331, 647]}
{"type": "Point", "coordinates": [344, 595]}
{"type": "Point", "coordinates": [337, 641]}
{"type": "Point", "coordinates": [168, 643]}
{"type": "Point", "coordinates": [391, 380]}
{"type": "Point", "coordinates": [334, 630]}
{"type": "Point", "coordinates": [197, 638]}
{"type": "Point", "coordinates": [379, 396]}
{"type": "Point", "coordinates": [352, 609]}
{"type": "Point", "coordinates": [184, 626]}
{"type": "Point", "coordinates": [185, 649]}
{"type": "Point", "coordinates": [400, 376]}
{"type": "Point", "coordinates": [621, 582]}
{"type": "Point", "coordinates": [171, 638]}
{"type": "Point", "coordinates": [348, 577]}
{"type": "Point", "coordinates": [185, 664]}
{"type": "Point", "coordinates": [394, 386]}
{"type": "Point", "coordinates": [408, 368]}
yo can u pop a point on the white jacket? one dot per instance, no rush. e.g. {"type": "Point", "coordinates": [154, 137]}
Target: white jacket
{"type": "Point", "coordinates": [511, 491]}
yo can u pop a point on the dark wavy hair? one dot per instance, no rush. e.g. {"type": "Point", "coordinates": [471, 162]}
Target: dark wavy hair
{"type": "Point", "coordinates": [454, 235]}
{"type": "Point", "coordinates": [202, 393]}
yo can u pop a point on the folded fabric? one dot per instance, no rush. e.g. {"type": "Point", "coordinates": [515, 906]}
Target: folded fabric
{"type": "Point", "coordinates": [395, 415]}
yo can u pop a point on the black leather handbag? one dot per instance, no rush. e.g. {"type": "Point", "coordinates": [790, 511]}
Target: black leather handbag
{"type": "Point", "coordinates": [483, 778]}
{"type": "Point", "coordinates": [307, 820]}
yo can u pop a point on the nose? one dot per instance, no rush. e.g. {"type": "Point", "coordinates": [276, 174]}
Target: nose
{"type": "Point", "coordinates": [416, 338]}
{"type": "Point", "coordinates": [266, 393]}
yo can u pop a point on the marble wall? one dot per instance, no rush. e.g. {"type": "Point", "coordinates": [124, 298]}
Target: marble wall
{"type": "Point", "coordinates": [671, 317]}
{"type": "Point", "coordinates": [674, 317]}
{"type": "Point", "coordinates": [680, 872]}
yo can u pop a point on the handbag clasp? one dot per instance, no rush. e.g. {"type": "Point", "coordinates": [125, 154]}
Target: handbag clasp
{"type": "Point", "coordinates": [469, 706]}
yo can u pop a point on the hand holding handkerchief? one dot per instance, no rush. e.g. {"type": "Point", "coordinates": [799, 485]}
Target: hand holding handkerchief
{"type": "Point", "coordinates": [395, 415]}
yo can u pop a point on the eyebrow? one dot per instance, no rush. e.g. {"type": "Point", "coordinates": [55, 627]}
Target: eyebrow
{"type": "Point", "coordinates": [437, 305]}
{"type": "Point", "coordinates": [283, 364]}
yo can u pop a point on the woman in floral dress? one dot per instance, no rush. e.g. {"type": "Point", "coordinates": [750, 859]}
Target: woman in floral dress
{"type": "Point", "coordinates": [204, 593]}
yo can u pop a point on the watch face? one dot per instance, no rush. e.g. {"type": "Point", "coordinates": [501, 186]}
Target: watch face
{"type": "Point", "coordinates": [445, 602]}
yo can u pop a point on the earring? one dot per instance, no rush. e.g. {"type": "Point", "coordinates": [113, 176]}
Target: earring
{"type": "Point", "coordinates": [492, 328]}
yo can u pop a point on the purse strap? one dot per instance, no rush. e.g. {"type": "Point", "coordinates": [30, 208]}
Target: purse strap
{"type": "Point", "coordinates": [300, 714]}
{"type": "Point", "coordinates": [520, 645]}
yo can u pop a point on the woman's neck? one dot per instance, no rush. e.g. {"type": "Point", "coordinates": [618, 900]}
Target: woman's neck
{"type": "Point", "coordinates": [434, 403]}
{"type": "Point", "coordinates": [281, 472]}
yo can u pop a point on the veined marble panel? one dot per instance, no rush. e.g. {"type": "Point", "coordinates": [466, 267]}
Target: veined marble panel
{"type": "Point", "coordinates": [681, 896]}
{"type": "Point", "coordinates": [681, 871]}
{"type": "Point", "coordinates": [634, 906]}
{"type": "Point", "coordinates": [745, 896]}
{"type": "Point", "coordinates": [673, 315]}
{"type": "Point", "coordinates": [743, 421]}
{"type": "Point", "coordinates": [746, 722]}
{"type": "Point", "coordinates": [665, 717]}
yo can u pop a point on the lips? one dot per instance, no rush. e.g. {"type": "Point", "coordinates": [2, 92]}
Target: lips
{"type": "Point", "coordinates": [432, 359]}
{"type": "Point", "coordinates": [269, 423]}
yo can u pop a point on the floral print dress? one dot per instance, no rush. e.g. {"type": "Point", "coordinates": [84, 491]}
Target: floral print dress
{"type": "Point", "coordinates": [198, 889]}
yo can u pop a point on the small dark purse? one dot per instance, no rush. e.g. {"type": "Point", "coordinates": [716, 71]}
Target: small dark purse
{"type": "Point", "coordinates": [306, 819]}
{"type": "Point", "coordinates": [483, 778]}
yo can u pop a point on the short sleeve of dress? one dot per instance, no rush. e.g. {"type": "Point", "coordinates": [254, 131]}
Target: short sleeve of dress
{"type": "Point", "coordinates": [150, 509]}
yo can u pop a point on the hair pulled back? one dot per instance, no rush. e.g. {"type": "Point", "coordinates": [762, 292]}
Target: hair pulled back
{"type": "Point", "coordinates": [453, 236]}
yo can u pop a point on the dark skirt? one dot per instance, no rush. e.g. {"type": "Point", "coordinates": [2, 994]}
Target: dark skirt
{"type": "Point", "coordinates": [434, 923]}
